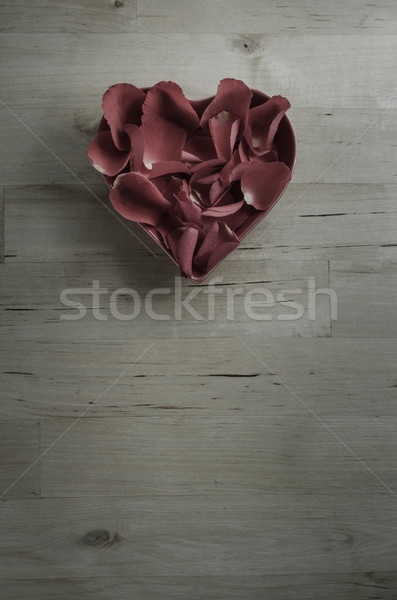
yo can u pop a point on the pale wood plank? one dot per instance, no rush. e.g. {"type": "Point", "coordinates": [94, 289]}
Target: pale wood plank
{"type": "Point", "coordinates": [19, 447]}
{"type": "Point", "coordinates": [33, 308]}
{"type": "Point", "coordinates": [68, 131]}
{"type": "Point", "coordinates": [335, 377]}
{"type": "Point", "coordinates": [316, 586]}
{"type": "Point", "coordinates": [68, 16]}
{"type": "Point", "coordinates": [201, 536]}
{"type": "Point", "coordinates": [327, 221]}
{"type": "Point", "coordinates": [2, 236]}
{"type": "Point", "coordinates": [185, 455]}
{"type": "Point", "coordinates": [255, 16]}
{"type": "Point", "coordinates": [80, 67]}
{"type": "Point", "coordinates": [70, 224]}
{"type": "Point", "coordinates": [374, 285]}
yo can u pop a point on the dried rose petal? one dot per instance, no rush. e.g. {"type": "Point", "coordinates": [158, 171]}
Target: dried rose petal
{"type": "Point", "coordinates": [104, 155]}
{"type": "Point", "coordinates": [122, 105]}
{"type": "Point", "coordinates": [137, 199]}
{"type": "Point", "coordinates": [234, 97]}
{"type": "Point", "coordinates": [263, 183]}
{"type": "Point", "coordinates": [263, 122]}
{"type": "Point", "coordinates": [167, 100]}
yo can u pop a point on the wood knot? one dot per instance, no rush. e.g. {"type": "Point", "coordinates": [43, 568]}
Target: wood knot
{"type": "Point", "coordinates": [100, 537]}
{"type": "Point", "coordinates": [96, 537]}
{"type": "Point", "coordinates": [248, 46]}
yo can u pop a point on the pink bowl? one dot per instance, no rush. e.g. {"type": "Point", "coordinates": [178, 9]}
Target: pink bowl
{"type": "Point", "coordinates": [286, 145]}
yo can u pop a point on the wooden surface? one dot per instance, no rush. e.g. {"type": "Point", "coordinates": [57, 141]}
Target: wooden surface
{"type": "Point", "coordinates": [194, 457]}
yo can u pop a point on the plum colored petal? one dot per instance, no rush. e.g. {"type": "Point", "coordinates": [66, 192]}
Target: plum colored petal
{"type": "Point", "coordinates": [167, 168]}
{"type": "Point", "coordinates": [263, 183]}
{"type": "Point", "coordinates": [168, 186]}
{"type": "Point", "coordinates": [198, 149]}
{"type": "Point", "coordinates": [239, 170]}
{"type": "Point", "coordinates": [224, 128]}
{"type": "Point", "coordinates": [224, 210]}
{"type": "Point", "coordinates": [207, 165]}
{"type": "Point", "coordinates": [105, 157]}
{"type": "Point", "coordinates": [263, 122]}
{"type": "Point", "coordinates": [186, 208]}
{"type": "Point", "coordinates": [232, 96]}
{"type": "Point", "coordinates": [185, 250]}
{"type": "Point", "coordinates": [235, 220]}
{"type": "Point", "coordinates": [167, 100]}
{"type": "Point", "coordinates": [103, 125]}
{"type": "Point", "coordinates": [137, 199]}
{"type": "Point", "coordinates": [206, 172]}
{"type": "Point", "coordinates": [137, 145]}
{"type": "Point", "coordinates": [203, 177]}
{"type": "Point", "coordinates": [217, 190]}
{"type": "Point", "coordinates": [208, 244]}
{"type": "Point", "coordinates": [122, 105]}
{"type": "Point", "coordinates": [226, 243]}
{"type": "Point", "coordinates": [169, 227]}
{"type": "Point", "coordinates": [244, 151]}
{"type": "Point", "coordinates": [164, 141]}
{"type": "Point", "coordinates": [226, 171]}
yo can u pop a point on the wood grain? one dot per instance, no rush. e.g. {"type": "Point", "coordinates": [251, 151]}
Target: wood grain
{"type": "Point", "coordinates": [81, 67]}
{"type": "Point", "coordinates": [19, 447]}
{"type": "Point", "coordinates": [375, 284]}
{"type": "Point", "coordinates": [335, 377]}
{"type": "Point", "coordinates": [217, 455]}
{"type": "Point", "coordinates": [324, 221]}
{"type": "Point", "coordinates": [68, 16]}
{"type": "Point", "coordinates": [254, 16]}
{"type": "Point", "coordinates": [68, 131]}
{"type": "Point", "coordinates": [2, 236]}
{"type": "Point", "coordinates": [198, 536]}
{"type": "Point", "coordinates": [42, 300]}
{"type": "Point", "coordinates": [232, 458]}
{"type": "Point", "coordinates": [349, 586]}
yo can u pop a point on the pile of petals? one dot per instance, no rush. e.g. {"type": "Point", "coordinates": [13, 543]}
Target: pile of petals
{"type": "Point", "coordinates": [190, 172]}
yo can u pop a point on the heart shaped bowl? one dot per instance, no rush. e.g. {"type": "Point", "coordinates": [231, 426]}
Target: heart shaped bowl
{"type": "Point", "coordinates": [285, 142]}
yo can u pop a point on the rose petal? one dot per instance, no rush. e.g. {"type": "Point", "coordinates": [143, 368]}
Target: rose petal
{"type": "Point", "coordinates": [207, 245]}
{"type": "Point", "coordinates": [169, 227]}
{"type": "Point", "coordinates": [224, 128]}
{"type": "Point", "coordinates": [122, 105]}
{"type": "Point", "coordinates": [263, 183]}
{"type": "Point", "coordinates": [232, 96]}
{"type": "Point", "coordinates": [224, 210]}
{"type": "Point", "coordinates": [185, 249]}
{"type": "Point", "coordinates": [105, 157]}
{"type": "Point", "coordinates": [198, 149]}
{"type": "Point", "coordinates": [164, 141]}
{"type": "Point", "coordinates": [207, 165]}
{"type": "Point", "coordinates": [137, 145]}
{"type": "Point", "coordinates": [168, 185]}
{"type": "Point", "coordinates": [263, 122]}
{"type": "Point", "coordinates": [167, 100]}
{"type": "Point", "coordinates": [186, 208]}
{"type": "Point", "coordinates": [226, 171]}
{"type": "Point", "coordinates": [137, 199]}
{"type": "Point", "coordinates": [226, 243]}
{"type": "Point", "coordinates": [217, 190]}
{"type": "Point", "coordinates": [235, 220]}
{"type": "Point", "coordinates": [203, 177]}
{"type": "Point", "coordinates": [244, 151]}
{"type": "Point", "coordinates": [239, 170]}
{"type": "Point", "coordinates": [167, 168]}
